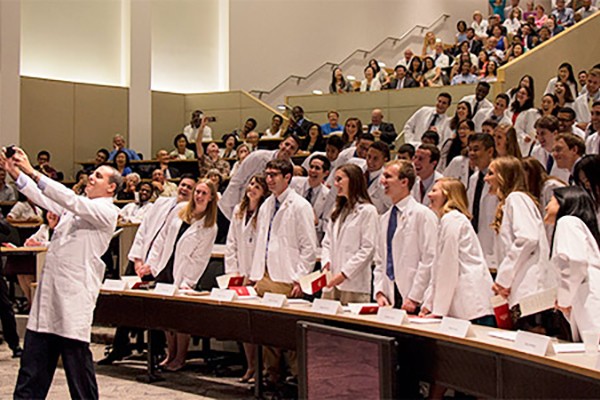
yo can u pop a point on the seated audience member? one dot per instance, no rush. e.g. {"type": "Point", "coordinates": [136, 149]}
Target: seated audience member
{"type": "Point", "coordinates": [181, 152]}
{"type": "Point", "coordinates": [564, 15]}
{"type": "Point", "coordinates": [332, 125]}
{"type": "Point", "coordinates": [248, 127]}
{"type": "Point", "coordinates": [592, 143]}
{"type": "Point", "coordinates": [430, 137]}
{"type": "Point", "coordinates": [461, 283]}
{"type": "Point", "coordinates": [415, 70]}
{"type": "Point", "coordinates": [211, 160]}
{"type": "Point", "coordinates": [81, 181]}
{"type": "Point", "coordinates": [24, 210]}
{"type": "Point", "coordinates": [479, 25]}
{"type": "Point", "coordinates": [432, 74]}
{"type": "Point", "coordinates": [490, 47]}
{"type": "Point", "coordinates": [499, 33]}
{"type": "Point", "coordinates": [350, 239]}
{"type": "Point", "coordinates": [401, 80]}
{"type": "Point", "coordinates": [403, 262]}
{"type": "Point", "coordinates": [465, 76]}
{"type": "Point", "coordinates": [339, 84]}
{"type": "Point", "coordinates": [576, 258]}
{"type": "Point", "coordinates": [129, 188]}
{"type": "Point", "coordinates": [540, 16]}
{"type": "Point", "coordinates": [441, 59]}
{"type": "Point", "coordinates": [544, 34]}
{"type": "Point", "coordinates": [587, 9]}
{"type": "Point", "coordinates": [314, 141]}
{"type": "Point", "coordinates": [241, 153]}
{"type": "Point", "coordinates": [406, 152]}
{"type": "Point", "coordinates": [164, 162]}
{"type": "Point", "coordinates": [43, 165]}
{"type": "Point", "coordinates": [377, 155]}
{"type": "Point", "coordinates": [475, 44]}
{"type": "Point", "coordinates": [530, 37]}
{"type": "Point", "coordinates": [584, 102]}
{"type": "Point", "coordinates": [162, 187]}
{"type": "Point", "coordinates": [495, 113]}
{"type": "Point", "coordinates": [426, 159]}
{"type": "Point", "coordinates": [505, 139]}
{"type": "Point", "coordinates": [385, 131]}
{"type": "Point", "coordinates": [231, 144]}
{"type": "Point", "coordinates": [119, 146]}
{"type": "Point", "coordinates": [298, 125]}
{"type": "Point", "coordinates": [427, 118]}
{"type": "Point", "coordinates": [566, 122]}
{"type": "Point", "coordinates": [546, 130]}
{"type": "Point", "coordinates": [380, 73]}
{"type": "Point", "coordinates": [512, 24]}
{"type": "Point", "coordinates": [7, 193]}
{"type": "Point", "coordinates": [429, 42]}
{"type": "Point", "coordinates": [135, 212]}
{"type": "Point", "coordinates": [479, 101]}
{"type": "Point", "coordinates": [407, 59]}
{"type": "Point", "coordinates": [490, 72]}
{"type": "Point", "coordinates": [121, 163]}
{"type": "Point", "coordinates": [101, 159]}
{"type": "Point", "coordinates": [352, 128]}
{"type": "Point", "coordinates": [370, 83]}
{"type": "Point", "coordinates": [567, 151]}
{"type": "Point", "coordinates": [198, 123]}
{"type": "Point", "coordinates": [275, 130]}
{"type": "Point", "coordinates": [181, 254]}
{"type": "Point", "coordinates": [216, 178]}
{"type": "Point", "coordinates": [252, 139]}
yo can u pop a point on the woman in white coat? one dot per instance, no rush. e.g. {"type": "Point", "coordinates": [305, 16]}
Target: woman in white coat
{"type": "Point", "coordinates": [350, 235]}
{"type": "Point", "coordinates": [522, 246]}
{"type": "Point", "coordinates": [460, 285]}
{"type": "Point", "coordinates": [576, 256]}
{"type": "Point", "coordinates": [523, 116]}
{"type": "Point", "coordinates": [181, 253]}
{"type": "Point", "coordinates": [241, 243]}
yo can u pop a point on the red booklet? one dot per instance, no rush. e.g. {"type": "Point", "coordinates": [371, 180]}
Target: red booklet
{"type": "Point", "coordinates": [502, 313]}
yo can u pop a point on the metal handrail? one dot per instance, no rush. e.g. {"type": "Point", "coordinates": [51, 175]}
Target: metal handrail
{"type": "Point", "coordinates": [332, 65]}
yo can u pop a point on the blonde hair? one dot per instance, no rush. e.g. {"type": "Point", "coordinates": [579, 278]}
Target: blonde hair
{"type": "Point", "coordinates": [209, 214]}
{"type": "Point", "coordinates": [456, 196]}
{"type": "Point", "coordinates": [511, 178]}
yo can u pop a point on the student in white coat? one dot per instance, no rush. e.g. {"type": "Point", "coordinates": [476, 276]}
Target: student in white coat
{"type": "Point", "coordinates": [576, 256]}
{"type": "Point", "coordinates": [586, 175]}
{"type": "Point", "coordinates": [350, 238]}
{"type": "Point", "coordinates": [377, 156]}
{"type": "Point", "coordinates": [461, 283]}
{"type": "Point", "coordinates": [523, 116]}
{"type": "Point", "coordinates": [136, 211]}
{"type": "Point", "coordinates": [522, 245]}
{"type": "Point", "coordinates": [407, 242]}
{"type": "Point", "coordinates": [181, 253]}
{"type": "Point", "coordinates": [428, 118]}
{"type": "Point", "coordinates": [482, 203]}
{"type": "Point", "coordinates": [425, 161]}
{"type": "Point", "coordinates": [497, 113]}
{"type": "Point", "coordinates": [546, 129]}
{"type": "Point", "coordinates": [286, 246]}
{"type": "Point", "coordinates": [479, 101]}
{"type": "Point", "coordinates": [241, 243]}
{"type": "Point", "coordinates": [60, 321]}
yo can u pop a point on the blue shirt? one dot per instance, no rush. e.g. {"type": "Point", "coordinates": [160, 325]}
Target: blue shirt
{"type": "Point", "coordinates": [327, 129]}
{"type": "Point", "coordinates": [132, 154]}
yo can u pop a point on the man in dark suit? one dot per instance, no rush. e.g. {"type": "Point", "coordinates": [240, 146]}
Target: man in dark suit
{"type": "Point", "coordinates": [384, 130]}
{"type": "Point", "coordinates": [474, 44]}
{"type": "Point", "coordinates": [298, 124]}
{"type": "Point", "coordinates": [400, 80]}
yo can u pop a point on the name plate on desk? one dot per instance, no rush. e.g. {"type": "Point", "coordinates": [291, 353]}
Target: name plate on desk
{"type": "Point", "coordinates": [165, 289]}
{"type": "Point", "coordinates": [456, 327]}
{"type": "Point", "coordinates": [274, 300]}
{"type": "Point", "coordinates": [538, 302]}
{"type": "Point", "coordinates": [533, 343]}
{"type": "Point", "coordinates": [329, 307]}
{"type": "Point", "coordinates": [114, 284]}
{"type": "Point", "coordinates": [223, 294]}
{"type": "Point", "coordinates": [392, 316]}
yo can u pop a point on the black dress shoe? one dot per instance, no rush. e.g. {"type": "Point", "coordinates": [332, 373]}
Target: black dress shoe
{"type": "Point", "coordinates": [112, 357]}
{"type": "Point", "coordinates": [17, 352]}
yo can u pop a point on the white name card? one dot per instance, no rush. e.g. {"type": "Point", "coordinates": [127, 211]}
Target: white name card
{"type": "Point", "coordinates": [329, 307]}
{"type": "Point", "coordinates": [538, 302]}
{"type": "Point", "coordinates": [114, 284]}
{"type": "Point", "coordinates": [274, 300]}
{"type": "Point", "coordinates": [533, 343]}
{"type": "Point", "coordinates": [166, 289]}
{"type": "Point", "coordinates": [223, 294]}
{"type": "Point", "coordinates": [392, 316]}
{"type": "Point", "coordinates": [456, 327]}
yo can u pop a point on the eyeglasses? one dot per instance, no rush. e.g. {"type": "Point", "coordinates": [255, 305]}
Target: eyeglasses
{"type": "Point", "coordinates": [272, 174]}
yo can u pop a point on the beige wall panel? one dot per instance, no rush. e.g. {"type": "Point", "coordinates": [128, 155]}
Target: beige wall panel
{"type": "Point", "coordinates": [100, 113]}
{"type": "Point", "coordinates": [168, 119]}
{"type": "Point", "coordinates": [211, 101]}
{"type": "Point", "coordinates": [47, 120]}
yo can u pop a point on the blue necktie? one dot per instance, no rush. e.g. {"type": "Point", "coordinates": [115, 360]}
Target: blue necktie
{"type": "Point", "coordinates": [393, 224]}
{"type": "Point", "coordinates": [549, 163]}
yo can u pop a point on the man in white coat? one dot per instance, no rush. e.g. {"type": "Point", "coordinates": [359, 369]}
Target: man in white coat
{"type": "Point", "coordinates": [377, 156]}
{"type": "Point", "coordinates": [546, 129]}
{"type": "Point", "coordinates": [583, 103]}
{"type": "Point", "coordinates": [286, 246]}
{"type": "Point", "coordinates": [428, 118]}
{"type": "Point", "coordinates": [60, 321]}
{"type": "Point", "coordinates": [407, 243]}
{"type": "Point", "coordinates": [425, 161]}
{"type": "Point", "coordinates": [496, 113]}
{"type": "Point", "coordinates": [135, 212]}
{"type": "Point", "coordinates": [479, 101]}
{"type": "Point", "coordinates": [592, 143]}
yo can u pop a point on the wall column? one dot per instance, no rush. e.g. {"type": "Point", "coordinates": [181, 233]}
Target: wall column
{"type": "Point", "coordinates": [10, 82]}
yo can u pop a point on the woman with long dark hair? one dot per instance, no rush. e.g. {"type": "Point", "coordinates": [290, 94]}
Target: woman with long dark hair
{"type": "Point", "coordinates": [339, 84]}
{"type": "Point", "coordinates": [314, 141]}
{"type": "Point", "coordinates": [523, 116]}
{"type": "Point", "coordinates": [586, 175]}
{"type": "Point", "coordinates": [565, 75]}
{"type": "Point", "coordinates": [352, 129]}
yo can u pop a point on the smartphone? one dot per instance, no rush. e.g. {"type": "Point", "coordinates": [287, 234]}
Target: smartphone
{"type": "Point", "coordinates": [10, 151]}
{"type": "Point", "coordinates": [211, 119]}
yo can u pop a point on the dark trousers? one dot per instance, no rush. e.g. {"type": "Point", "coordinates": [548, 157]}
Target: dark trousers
{"type": "Point", "coordinates": [7, 316]}
{"type": "Point", "coordinates": [40, 357]}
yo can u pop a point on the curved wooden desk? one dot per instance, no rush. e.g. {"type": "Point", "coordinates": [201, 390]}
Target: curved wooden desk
{"type": "Point", "coordinates": [481, 365]}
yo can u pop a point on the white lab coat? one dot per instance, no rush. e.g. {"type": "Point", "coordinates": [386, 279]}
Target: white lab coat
{"type": "Point", "coordinates": [306, 162]}
{"type": "Point", "coordinates": [293, 242]}
{"type": "Point", "coordinates": [592, 144]}
{"type": "Point", "coordinates": [576, 257]}
{"type": "Point", "coordinates": [523, 249]}
{"type": "Point", "coordinates": [541, 154]}
{"type": "Point", "coordinates": [547, 193]}
{"type": "Point", "coordinates": [486, 113]}
{"type": "Point", "coordinates": [419, 122]}
{"type": "Point", "coordinates": [135, 213]}
{"type": "Point", "coordinates": [582, 107]}
{"type": "Point", "coordinates": [192, 252]}
{"type": "Point", "coordinates": [416, 190]}
{"type": "Point", "coordinates": [350, 247]}
{"type": "Point", "coordinates": [472, 100]}
{"type": "Point", "coordinates": [461, 283]}
{"type": "Point", "coordinates": [70, 281]}
{"type": "Point", "coordinates": [377, 194]}
{"type": "Point", "coordinates": [148, 229]}
{"type": "Point", "coordinates": [254, 164]}
{"type": "Point", "coordinates": [301, 186]}
{"type": "Point", "coordinates": [414, 246]}
{"type": "Point", "coordinates": [525, 127]}
{"type": "Point", "coordinates": [487, 211]}
{"type": "Point", "coordinates": [240, 246]}
{"type": "Point", "coordinates": [552, 84]}
{"type": "Point", "coordinates": [459, 169]}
